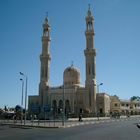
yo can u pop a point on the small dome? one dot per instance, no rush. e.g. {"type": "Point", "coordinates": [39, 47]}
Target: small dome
{"type": "Point", "coordinates": [71, 76]}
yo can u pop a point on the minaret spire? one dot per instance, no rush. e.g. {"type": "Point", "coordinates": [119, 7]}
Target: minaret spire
{"type": "Point", "coordinates": [72, 63]}
{"type": "Point", "coordinates": [45, 59]}
{"type": "Point", "coordinates": [89, 6]}
{"type": "Point", "coordinates": [45, 56]}
{"type": "Point", "coordinates": [90, 54]}
{"type": "Point", "coordinates": [47, 14]}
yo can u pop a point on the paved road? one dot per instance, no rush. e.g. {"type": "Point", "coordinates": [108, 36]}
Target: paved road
{"type": "Point", "coordinates": [118, 130]}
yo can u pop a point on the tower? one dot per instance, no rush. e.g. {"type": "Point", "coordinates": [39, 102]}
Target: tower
{"type": "Point", "coordinates": [90, 54]}
{"type": "Point", "coordinates": [45, 59]}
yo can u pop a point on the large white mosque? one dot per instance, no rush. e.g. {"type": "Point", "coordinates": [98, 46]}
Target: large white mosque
{"type": "Point", "coordinates": [72, 97]}
{"type": "Point", "coordinates": [75, 97]}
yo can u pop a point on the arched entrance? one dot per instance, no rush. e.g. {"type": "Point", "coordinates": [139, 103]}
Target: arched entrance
{"type": "Point", "coordinates": [67, 107]}
{"type": "Point", "coordinates": [54, 107]}
{"type": "Point", "coordinates": [60, 106]}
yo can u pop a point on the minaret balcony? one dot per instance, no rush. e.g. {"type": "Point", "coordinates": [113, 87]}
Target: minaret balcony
{"type": "Point", "coordinates": [45, 57]}
{"type": "Point", "coordinates": [46, 38]}
{"type": "Point", "coordinates": [91, 52]}
{"type": "Point", "coordinates": [89, 32]}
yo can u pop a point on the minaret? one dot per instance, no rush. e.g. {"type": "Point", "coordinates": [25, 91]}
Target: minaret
{"type": "Point", "coordinates": [90, 54]}
{"type": "Point", "coordinates": [45, 59]}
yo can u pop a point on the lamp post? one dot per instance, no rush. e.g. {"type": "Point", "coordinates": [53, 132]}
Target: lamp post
{"type": "Point", "coordinates": [25, 94]}
{"type": "Point", "coordinates": [76, 105]}
{"type": "Point", "coordinates": [63, 97]}
{"type": "Point", "coordinates": [22, 98]}
{"type": "Point", "coordinates": [22, 91]}
{"type": "Point", "coordinates": [98, 87]}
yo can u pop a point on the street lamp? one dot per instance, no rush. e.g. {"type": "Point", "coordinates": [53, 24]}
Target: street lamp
{"type": "Point", "coordinates": [98, 87]}
{"type": "Point", "coordinates": [96, 107]}
{"type": "Point", "coordinates": [22, 91]}
{"type": "Point", "coordinates": [63, 119]}
{"type": "Point", "coordinates": [22, 99]}
{"type": "Point", "coordinates": [25, 94]}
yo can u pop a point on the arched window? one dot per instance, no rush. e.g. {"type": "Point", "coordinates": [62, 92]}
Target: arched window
{"type": "Point", "coordinates": [46, 73]}
{"type": "Point", "coordinates": [89, 26]}
{"type": "Point", "coordinates": [54, 105]}
{"type": "Point", "coordinates": [93, 69]}
{"type": "Point", "coordinates": [89, 69]}
{"type": "Point", "coordinates": [67, 106]}
{"type": "Point", "coordinates": [60, 104]}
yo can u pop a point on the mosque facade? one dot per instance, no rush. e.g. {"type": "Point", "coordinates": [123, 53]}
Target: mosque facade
{"type": "Point", "coordinates": [72, 97]}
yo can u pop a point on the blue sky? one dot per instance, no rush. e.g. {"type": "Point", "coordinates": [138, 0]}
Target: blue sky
{"type": "Point", "coordinates": [117, 40]}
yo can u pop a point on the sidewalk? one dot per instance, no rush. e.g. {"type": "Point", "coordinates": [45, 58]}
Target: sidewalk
{"type": "Point", "coordinates": [71, 122]}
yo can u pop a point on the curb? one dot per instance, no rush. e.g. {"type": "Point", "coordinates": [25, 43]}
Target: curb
{"type": "Point", "coordinates": [28, 126]}
{"type": "Point", "coordinates": [68, 125]}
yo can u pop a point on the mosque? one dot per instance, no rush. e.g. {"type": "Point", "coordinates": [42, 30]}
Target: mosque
{"type": "Point", "coordinates": [75, 97]}
{"type": "Point", "coordinates": [71, 97]}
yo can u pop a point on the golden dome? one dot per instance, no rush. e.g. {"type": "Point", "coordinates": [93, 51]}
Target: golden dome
{"type": "Point", "coordinates": [71, 76]}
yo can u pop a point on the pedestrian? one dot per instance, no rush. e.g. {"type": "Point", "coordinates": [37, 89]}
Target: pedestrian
{"type": "Point", "coordinates": [80, 117]}
{"type": "Point", "coordinates": [98, 115]}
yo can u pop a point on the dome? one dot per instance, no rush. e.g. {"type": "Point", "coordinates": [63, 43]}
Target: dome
{"type": "Point", "coordinates": [71, 76]}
